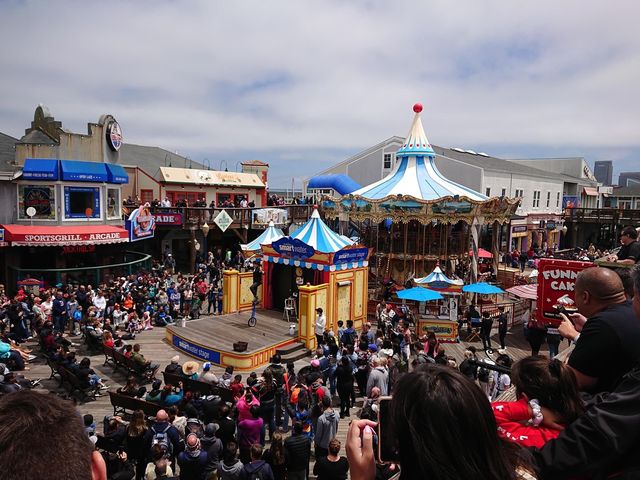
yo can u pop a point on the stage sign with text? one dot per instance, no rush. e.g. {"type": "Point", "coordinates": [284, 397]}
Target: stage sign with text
{"type": "Point", "coordinates": [556, 287]}
{"type": "Point", "coordinates": [347, 255]}
{"type": "Point", "coordinates": [444, 330]}
{"type": "Point", "coordinates": [197, 351]}
{"type": "Point", "coordinates": [293, 248]}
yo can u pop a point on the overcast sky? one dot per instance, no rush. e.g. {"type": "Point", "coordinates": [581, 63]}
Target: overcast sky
{"type": "Point", "coordinates": [303, 85]}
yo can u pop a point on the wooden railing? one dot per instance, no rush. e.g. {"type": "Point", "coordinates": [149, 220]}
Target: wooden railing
{"type": "Point", "coordinates": [602, 215]}
{"type": "Point", "coordinates": [242, 217]}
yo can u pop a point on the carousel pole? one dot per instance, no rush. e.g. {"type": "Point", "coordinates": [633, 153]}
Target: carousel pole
{"type": "Point", "coordinates": [495, 248]}
{"type": "Point", "coordinates": [406, 242]}
{"type": "Point", "coordinates": [475, 239]}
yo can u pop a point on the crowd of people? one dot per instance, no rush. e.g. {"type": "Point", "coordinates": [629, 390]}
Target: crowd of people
{"type": "Point", "coordinates": [578, 419]}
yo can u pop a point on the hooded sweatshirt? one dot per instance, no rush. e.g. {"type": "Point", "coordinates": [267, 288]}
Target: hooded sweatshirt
{"type": "Point", "coordinates": [258, 469]}
{"type": "Point", "coordinates": [327, 428]}
{"type": "Point", "coordinates": [229, 472]}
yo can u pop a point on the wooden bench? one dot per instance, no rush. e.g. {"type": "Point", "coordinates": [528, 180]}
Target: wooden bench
{"type": "Point", "coordinates": [87, 392]}
{"type": "Point", "coordinates": [197, 386]}
{"type": "Point", "coordinates": [123, 404]}
{"type": "Point", "coordinates": [109, 356]}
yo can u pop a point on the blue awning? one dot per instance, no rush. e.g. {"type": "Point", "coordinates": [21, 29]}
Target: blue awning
{"type": "Point", "coordinates": [40, 169]}
{"type": "Point", "coordinates": [116, 174]}
{"type": "Point", "coordinates": [83, 171]}
{"type": "Point", "coordinates": [341, 183]}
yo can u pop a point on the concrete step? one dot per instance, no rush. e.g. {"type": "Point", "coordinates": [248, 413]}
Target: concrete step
{"type": "Point", "coordinates": [294, 347]}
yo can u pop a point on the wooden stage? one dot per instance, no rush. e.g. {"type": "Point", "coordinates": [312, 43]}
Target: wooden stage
{"type": "Point", "coordinates": [211, 339]}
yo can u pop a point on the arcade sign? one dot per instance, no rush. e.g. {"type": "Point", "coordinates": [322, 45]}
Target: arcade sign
{"type": "Point", "coordinates": [165, 219]}
{"type": "Point", "coordinates": [556, 280]}
{"type": "Point", "coordinates": [293, 248]}
{"type": "Point", "coordinates": [347, 255]}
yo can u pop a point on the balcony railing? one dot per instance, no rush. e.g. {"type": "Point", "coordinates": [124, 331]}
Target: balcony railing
{"type": "Point", "coordinates": [602, 215]}
{"type": "Point", "coordinates": [242, 217]}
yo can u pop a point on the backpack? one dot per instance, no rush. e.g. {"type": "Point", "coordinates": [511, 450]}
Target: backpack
{"type": "Point", "coordinates": [298, 392]}
{"type": "Point", "coordinates": [194, 426]}
{"type": "Point", "coordinates": [278, 374]}
{"type": "Point", "coordinates": [162, 438]}
{"type": "Point", "coordinates": [349, 338]}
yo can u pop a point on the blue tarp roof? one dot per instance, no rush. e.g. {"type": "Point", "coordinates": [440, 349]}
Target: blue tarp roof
{"type": "Point", "coordinates": [116, 174]}
{"type": "Point", "coordinates": [83, 171]}
{"type": "Point", "coordinates": [341, 183]}
{"type": "Point", "coordinates": [40, 169]}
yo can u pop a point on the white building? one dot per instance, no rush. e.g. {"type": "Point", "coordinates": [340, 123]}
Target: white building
{"type": "Point", "coordinates": [544, 191]}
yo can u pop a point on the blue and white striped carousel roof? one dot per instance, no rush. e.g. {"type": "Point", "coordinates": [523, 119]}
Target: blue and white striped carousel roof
{"type": "Point", "coordinates": [437, 277]}
{"type": "Point", "coordinates": [317, 234]}
{"type": "Point", "coordinates": [270, 235]}
{"type": "Point", "coordinates": [415, 172]}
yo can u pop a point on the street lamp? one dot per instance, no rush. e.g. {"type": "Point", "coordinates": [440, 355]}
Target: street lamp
{"type": "Point", "coordinates": [205, 231]}
{"type": "Point", "coordinates": [226, 167]}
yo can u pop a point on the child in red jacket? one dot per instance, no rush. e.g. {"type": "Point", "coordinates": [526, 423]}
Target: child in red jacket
{"type": "Point", "coordinates": [541, 384]}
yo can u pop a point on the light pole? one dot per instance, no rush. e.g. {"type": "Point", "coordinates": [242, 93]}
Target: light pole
{"type": "Point", "coordinates": [226, 167]}
{"type": "Point", "coordinates": [205, 231]}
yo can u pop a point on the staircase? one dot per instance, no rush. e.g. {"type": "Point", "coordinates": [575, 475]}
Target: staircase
{"type": "Point", "coordinates": [293, 352]}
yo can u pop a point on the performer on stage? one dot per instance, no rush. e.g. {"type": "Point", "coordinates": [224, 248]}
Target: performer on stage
{"type": "Point", "coordinates": [257, 281]}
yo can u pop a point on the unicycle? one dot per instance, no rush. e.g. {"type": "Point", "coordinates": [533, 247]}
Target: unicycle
{"type": "Point", "coordinates": [252, 319]}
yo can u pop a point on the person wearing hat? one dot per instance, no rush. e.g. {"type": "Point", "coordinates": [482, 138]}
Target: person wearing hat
{"type": "Point", "coordinates": [192, 460]}
{"type": "Point", "coordinates": [207, 375]}
{"type": "Point", "coordinates": [190, 369]}
{"type": "Point", "coordinates": [320, 325]}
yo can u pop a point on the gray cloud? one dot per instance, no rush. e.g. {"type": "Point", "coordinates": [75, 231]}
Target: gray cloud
{"type": "Point", "coordinates": [301, 84]}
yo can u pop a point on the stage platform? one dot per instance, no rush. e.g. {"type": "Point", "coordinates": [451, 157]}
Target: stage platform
{"type": "Point", "coordinates": [211, 339]}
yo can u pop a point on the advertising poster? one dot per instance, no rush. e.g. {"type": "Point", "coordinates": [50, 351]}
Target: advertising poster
{"type": "Point", "coordinates": [556, 281]}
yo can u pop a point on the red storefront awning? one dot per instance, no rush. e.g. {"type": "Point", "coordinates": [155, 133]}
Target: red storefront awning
{"type": "Point", "coordinates": [39, 236]}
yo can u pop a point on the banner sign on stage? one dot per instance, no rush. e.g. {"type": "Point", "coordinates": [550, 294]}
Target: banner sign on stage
{"type": "Point", "coordinates": [262, 217]}
{"type": "Point", "coordinates": [347, 255]}
{"type": "Point", "coordinates": [141, 224]}
{"type": "Point", "coordinates": [445, 330]}
{"type": "Point", "coordinates": [168, 219]}
{"type": "Point", "coordinates": [197, 351]}
{"type": "Point", "coordinates": [556, 279]}
{"type": "Point", "coordinates": [293, 248]}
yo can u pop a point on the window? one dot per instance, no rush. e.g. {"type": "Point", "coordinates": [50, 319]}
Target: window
{"type": "Point", "coordinates": [146, 196]}
{"type": "Point", "coordinates": [519, 193]}
{"type": "Point", "coordinates": [386, 162]}
{"type": "Point", "coordinates": [40, 197]}
{"type": "Point", "coordinates": [536, 198]}
{"type": "Point", "coordinates": [82, 202]}
{"type": "Point", "coordinates": [504, 192]}
{"type": "Point", "coordinates": [548, 199]}
{"type": "Point", "coordinates": [557, 199]}
{"type": "Point", "coordinates": [113, 203]}
{"type": "Point", "coordinates": [488, 192]}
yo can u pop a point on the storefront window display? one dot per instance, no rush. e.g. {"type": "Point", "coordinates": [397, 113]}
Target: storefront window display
{"type": "Point", "coordinates": [41, 197]}
{"type": "Point", "coordinates": [113, 203]}
{"type": "Point", "coordinates": [82, 202]}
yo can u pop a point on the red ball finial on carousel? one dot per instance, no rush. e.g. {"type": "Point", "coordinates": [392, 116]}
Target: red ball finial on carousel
{"type": "Point", "coordinates": [315, 207]}
{"type": "Point", "coordinates": [417, 107]}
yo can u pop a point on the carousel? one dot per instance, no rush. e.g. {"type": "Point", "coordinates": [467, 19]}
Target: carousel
{"type": "Point", "coordinates": [415, 218]}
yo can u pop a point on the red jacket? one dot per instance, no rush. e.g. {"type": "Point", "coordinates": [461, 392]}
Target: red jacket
{"type": "Point", "coordinates": [510, 417]}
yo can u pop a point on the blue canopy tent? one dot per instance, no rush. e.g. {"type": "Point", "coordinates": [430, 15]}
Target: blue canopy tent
{"type": "Point", "coordinates": [270, 235]}
{"type": "Point", "coordinates": [419, 294]}
{"type": "Point", "coordinates": [482, 288]}
{"type": "Point", "coordinates": [341, 183]}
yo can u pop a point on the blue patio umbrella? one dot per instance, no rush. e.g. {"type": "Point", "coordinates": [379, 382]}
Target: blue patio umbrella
{"type": "Point", "coordinates": [419, 294]}
{"type": "Point", "coordinates": [483, 288]}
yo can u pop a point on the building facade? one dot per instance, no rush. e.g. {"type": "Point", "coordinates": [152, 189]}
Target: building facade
{"type": "Point", "coordinates": [603, 171]}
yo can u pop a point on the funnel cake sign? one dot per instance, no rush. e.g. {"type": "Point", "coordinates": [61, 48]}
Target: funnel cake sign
{"type": "Point", "coordinates": [556, 287]}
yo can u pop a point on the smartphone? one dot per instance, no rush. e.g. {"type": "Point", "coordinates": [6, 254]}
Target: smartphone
{"type": "Point", "coordinates": [387, 441]}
